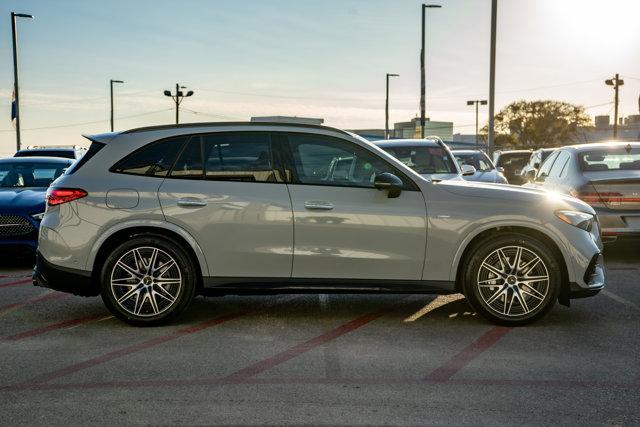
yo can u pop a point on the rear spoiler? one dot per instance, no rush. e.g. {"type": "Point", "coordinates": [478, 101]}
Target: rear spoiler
{"type": "Point", "coordinates": [103, 138]}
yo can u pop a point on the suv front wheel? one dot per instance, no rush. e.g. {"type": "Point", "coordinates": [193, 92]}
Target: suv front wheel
{"type": "Point", "coordinates": [148, 280]}
{"type": "Point", "coordinates": [512, 279]}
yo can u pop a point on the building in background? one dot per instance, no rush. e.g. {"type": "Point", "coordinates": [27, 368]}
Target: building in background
{"type": "Point", "coordinates": [411, 129]}
{"type": "Point", "coordinates": [628, 129]}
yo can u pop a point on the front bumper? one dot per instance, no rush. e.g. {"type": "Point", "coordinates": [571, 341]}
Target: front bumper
{"type": "Point", "coordinates": [63, 279]}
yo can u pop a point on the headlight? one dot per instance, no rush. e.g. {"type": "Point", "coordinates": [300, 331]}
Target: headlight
{"type": "Point", "coordinates": [38, 216]}
{"type": "Point", "coordinates": [577, 219]}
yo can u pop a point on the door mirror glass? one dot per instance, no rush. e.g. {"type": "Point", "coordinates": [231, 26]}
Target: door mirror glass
{"type": "Point", "coordinates": [390, 182]}
{"type": "Point", "coordinates": [467, 170]}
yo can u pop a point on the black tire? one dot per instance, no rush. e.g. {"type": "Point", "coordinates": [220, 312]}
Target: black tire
{"type": "Point", "coordinates": [172, 291]}
{"type": "Point", "coordinates": [482, 286]}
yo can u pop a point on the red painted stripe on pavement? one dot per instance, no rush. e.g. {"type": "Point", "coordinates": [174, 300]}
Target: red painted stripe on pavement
{"type": "Point", "coordinates": [462, 359]}
{"type": "Point", "coordinates": [46, 297]}
{"type": "Point", "coordinates": [131, 349]}
{"type": "Point", "coordinates": [297, 350]}
{"type": "Point", "coordinates": [54, 326]}
{"type": "Point", "coordinates": [16, 283]}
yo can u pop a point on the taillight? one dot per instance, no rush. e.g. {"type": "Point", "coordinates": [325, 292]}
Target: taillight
{"type": "Point", "coordinates": [58, 196]}
{"type": "Point", "coordinates": [601, 199]}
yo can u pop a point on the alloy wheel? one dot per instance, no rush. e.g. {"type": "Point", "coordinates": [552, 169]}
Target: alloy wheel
{"type": "Point", "coordinates": [513, 281]}
{"type": "Point", "coordinates": [146, 281]}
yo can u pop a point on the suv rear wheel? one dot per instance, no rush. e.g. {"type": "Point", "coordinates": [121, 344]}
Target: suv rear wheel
{"type": "Point", "coordinates": [512, 279]}
{"type": "Point", "coordinates": [148, 280]}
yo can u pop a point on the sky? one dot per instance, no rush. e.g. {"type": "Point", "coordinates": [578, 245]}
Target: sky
{"type": "Point", "coordinates": [316, 58]}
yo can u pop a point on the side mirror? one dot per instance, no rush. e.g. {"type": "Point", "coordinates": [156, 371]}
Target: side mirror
{"type": "Point", "coordinates": [500, 169]}
{"type": "Point", "coordinates": [467, 170]}
{"type": "Point", "coordinates": [536, 165]}
{"type": "Point", "coordinates": [390, 182]}
{"type": "Point", "coordinates": [531, 175]}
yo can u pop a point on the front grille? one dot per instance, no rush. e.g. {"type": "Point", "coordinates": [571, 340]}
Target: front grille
{"type": "Point", "coordinates": [15, 225]}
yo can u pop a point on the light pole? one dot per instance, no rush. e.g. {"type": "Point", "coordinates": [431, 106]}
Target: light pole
{"type": "Point", "coordinates": [477, 102]}
{"type": "Point", "coordinates": [492, 78]}
{"type": "Point", "coordinates": [177, 98]}
{"type": "Point", "coordinates": [386, 108]}
{"type": "Point", "coordinates": [16, 93]}
{"type": "Point", "coordinates": [111, 82]}
{"type": "Point", "coordinates": [422, 68]}
{"type": "Point", "coordinates": [616, 82]}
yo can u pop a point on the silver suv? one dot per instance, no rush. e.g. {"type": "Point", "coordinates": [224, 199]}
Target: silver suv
{"type": "Point", "coordinates": [151, 217]}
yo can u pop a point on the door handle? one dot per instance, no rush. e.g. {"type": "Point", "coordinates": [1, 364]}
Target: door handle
{"type": "Point", "coordinates": [192, 203]}
{"type": "Point", "coordinates": [318, 205]}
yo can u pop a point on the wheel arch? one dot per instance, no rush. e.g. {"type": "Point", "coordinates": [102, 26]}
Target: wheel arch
{"type": "Point", "coordinates": [465, 249]}
{"type": "Point", "coordinates": [124, 231]}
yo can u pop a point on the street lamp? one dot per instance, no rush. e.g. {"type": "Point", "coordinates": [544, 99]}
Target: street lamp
{"type": "Point", "coordinates": [422, 68]}
{"type": "Point", "coordinates": [111, 82]}
{"type": "Point", "coordinates": [386, 108]}
{"type": "Point", "coordinates": [16, 93]}
{"type": "Point", "coordinates": [178, 97]}
{"type": "Point", "coordinates": [477, 102]}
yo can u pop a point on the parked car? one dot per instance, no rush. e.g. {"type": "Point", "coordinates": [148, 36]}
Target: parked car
{"type": "Point", "coordinates": [51, 151]}
{"type": "Point", "coordinates": [485, 169]}
{"type": "Point", "coordinates": [512, 163]}
{"type": "Point", "coordinates": [23, 184]}
{"type": "Point", "coordinates": [604, 175]}
{"type": "Point", "coordinates": [150, 217]}
{"type": "Point", "coordinates": [431, 158]}
{"type": "Point", "coordinates": [530, 170]}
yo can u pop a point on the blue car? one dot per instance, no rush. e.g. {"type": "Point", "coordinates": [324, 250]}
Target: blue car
{"type": "Point", "coordinates": [23, 187]}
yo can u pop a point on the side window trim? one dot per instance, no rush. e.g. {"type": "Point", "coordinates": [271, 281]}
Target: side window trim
{"type": "Point", "coordinates": [409, 183]}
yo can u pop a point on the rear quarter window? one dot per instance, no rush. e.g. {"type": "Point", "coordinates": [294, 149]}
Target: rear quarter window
{"type": "Point", "coordinates": [155, 159]}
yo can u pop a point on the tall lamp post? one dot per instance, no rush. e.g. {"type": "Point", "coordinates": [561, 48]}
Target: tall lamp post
{"type": "Point", "coordinates": [178, 97]}
{"type": "Point", "coordinates": [477, 102]}
{"type": "Point", "coordinates": [16, 93]}
{"type": "Point", "coordinates": [492, 78]}
{"type": "Point", "coordinates": [111, 82]}
{"type": "Point", "coordinates": [422, 69]}
{"type": "Point", "coordinates": [616, 82]}
{"type": "Point", "coordinates": [386, 108]}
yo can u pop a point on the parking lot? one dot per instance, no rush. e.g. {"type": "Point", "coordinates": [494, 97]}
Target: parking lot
{"type": "Point", "coordinates": [321, 359]}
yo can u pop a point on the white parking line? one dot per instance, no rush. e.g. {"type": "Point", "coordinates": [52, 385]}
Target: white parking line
{"type": "Point", "coordinates": [432, 305]}
{"type": "Point", "coordinates": [621, 300]}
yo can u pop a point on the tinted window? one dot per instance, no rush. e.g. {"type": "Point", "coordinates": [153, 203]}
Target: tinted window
{"type": "Point", "coordinates": [480, 161]}
{"type": "Point", "coordinates": [424, 159]}
{"type": "Point", "coordinates": [614, 158]}
{"type": "Point", "coordinates": [559, 164]}
{"type": "Point", "coordinates": [323, 160]}
{"type": "Point", "coordinates": [546, 166]}
{"type": "Point", "coordinates": [27, 174]}
{"type": "Point", "coordinates": [228, 157]}
{"type": "Point", "coordinates": [154, 159]}
{"type": "Point", "coordinates": [93, 149]}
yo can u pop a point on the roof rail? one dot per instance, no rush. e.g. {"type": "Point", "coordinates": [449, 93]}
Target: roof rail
{"type": "Point", "coordinates": [223, 124]}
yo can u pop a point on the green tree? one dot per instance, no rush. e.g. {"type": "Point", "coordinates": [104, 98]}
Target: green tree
{"type": "Point", "coordinates": [539, 123]}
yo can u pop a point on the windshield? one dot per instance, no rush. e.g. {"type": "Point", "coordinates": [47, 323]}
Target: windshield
{"type": "Point", "coordinates": [608, 159]}
{"type": "Point", "coordinates": [27, 174]}
{"type": "Point", "coordinates": [424, 160]}
{"type": "Point", "coordinates": [480, 161]}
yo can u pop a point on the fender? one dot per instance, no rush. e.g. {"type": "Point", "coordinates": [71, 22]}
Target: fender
{"type": "Point", "coordinates": [148, 223]}
{"type": "Point", "coordinates": [562, 245]}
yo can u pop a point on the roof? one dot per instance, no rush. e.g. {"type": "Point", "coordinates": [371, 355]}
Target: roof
{"type": "Point", "coordinates": [389, 143]}
{"type": "Point", "coordinates": [47, 149]}
{"type": "Point", "coordinates": [455, 151]}
{"type": "Point", "coordinates": [36, 159]}
{"type": "Point", "coordinates": [514, 151]}
{"type": "Point", "coordinates": [223, 124]}
{"type": "Point", "coordinates": [601, 145]}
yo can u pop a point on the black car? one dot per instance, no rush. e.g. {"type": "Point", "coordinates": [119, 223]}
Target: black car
{"type": "Point", "coordinates": [63, 152]}
{"type": "Point", "coordinates": [512, 162]}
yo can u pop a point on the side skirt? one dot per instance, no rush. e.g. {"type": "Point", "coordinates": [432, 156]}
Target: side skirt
{"type": "Point", "coordinates": [260, 286]}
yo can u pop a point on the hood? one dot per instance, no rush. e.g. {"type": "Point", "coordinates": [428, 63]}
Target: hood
{"type": "Point", "coordinates": [22, 200]}
{"type": "Point", "coordinates": [486, 176]}
{"type": "Point", "coordinates": [442, 176]}
{"type": "Point", "coordinates": [516, 194]}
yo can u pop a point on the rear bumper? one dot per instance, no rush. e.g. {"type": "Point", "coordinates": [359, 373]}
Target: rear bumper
{"type": "Point", "coordinates": [619, 224]}
{"type": "Point", "coordinates": [63, 279]}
